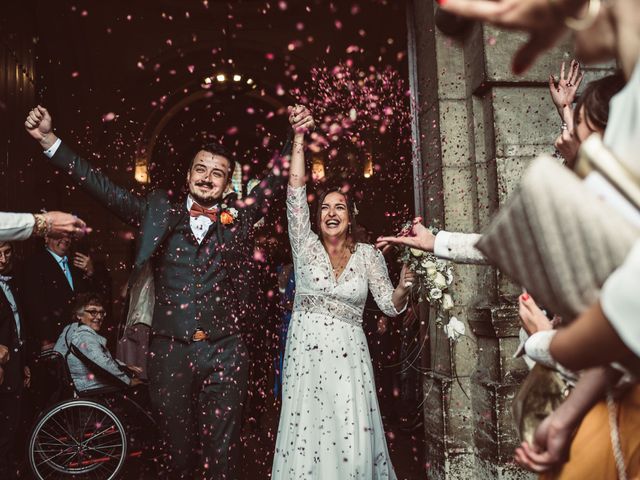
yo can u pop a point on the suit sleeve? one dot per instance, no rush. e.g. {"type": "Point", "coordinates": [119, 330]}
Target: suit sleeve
{"type": "Point", "coordinates": [260, 198]}
{"type": "Point", "coordinates": [127, 206]}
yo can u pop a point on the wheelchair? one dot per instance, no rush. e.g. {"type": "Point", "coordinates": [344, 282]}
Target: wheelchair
{"type": "Point", "coordinates": [90, 434]}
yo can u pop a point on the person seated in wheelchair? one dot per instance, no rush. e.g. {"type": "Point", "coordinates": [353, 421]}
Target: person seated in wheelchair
{"type": "Point", "coordinates": [91, 365]}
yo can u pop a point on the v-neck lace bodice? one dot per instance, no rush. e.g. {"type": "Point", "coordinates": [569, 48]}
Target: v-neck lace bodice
{"type": "Point", "coordinates": [317, 289]}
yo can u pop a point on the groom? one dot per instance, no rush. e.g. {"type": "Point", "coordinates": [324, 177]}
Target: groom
{"type": "Point", "coordinates": [200, 253]}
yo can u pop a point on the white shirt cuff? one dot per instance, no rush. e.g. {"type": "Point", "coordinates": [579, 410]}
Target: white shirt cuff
{"type": "Point", "coordinates": [441, 244]}
{"type": "Point", "coordinates": [51, 151]}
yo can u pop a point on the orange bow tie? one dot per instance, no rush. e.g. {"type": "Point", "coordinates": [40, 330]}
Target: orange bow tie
{"type": "Point", "coordinates": [197, 210]}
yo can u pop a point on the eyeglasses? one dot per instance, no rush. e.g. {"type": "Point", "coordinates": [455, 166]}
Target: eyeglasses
{"type": "Point", "coordinates": [96, 313]}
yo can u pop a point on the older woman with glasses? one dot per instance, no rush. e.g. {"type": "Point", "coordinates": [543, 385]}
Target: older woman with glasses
{"type": "Point", "coordinates": [98, 369]}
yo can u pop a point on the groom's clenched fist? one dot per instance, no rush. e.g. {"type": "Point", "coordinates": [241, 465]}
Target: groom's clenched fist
{"type": "Point", "coordinates": [38, 124]}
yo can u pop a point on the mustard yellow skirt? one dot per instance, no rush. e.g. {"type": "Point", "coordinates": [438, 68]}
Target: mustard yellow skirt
{"type": "Point", "coordinates": [591, 454]}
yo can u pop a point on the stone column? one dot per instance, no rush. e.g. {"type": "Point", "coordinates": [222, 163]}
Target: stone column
{"type": "Point", "coordinates": [478, 127]}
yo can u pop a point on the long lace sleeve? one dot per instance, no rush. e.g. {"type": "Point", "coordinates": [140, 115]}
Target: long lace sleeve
{"type": "Point", "coordinates": [300, 233]}
{"type": "Point", "coordinates": [380, 284]}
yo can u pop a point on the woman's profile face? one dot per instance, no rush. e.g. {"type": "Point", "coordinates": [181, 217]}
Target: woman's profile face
{"type": "Point", "coordinates": [334, 216]}
{"type": "Point", "coordinates": [583, 129]}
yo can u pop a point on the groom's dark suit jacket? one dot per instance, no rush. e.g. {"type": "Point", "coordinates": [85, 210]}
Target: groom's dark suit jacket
{"type": "Point", "coordinates": [196, 285]}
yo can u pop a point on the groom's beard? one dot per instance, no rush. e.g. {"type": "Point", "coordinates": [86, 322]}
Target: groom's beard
{"type": "Point", "coordinates": [205, 201]}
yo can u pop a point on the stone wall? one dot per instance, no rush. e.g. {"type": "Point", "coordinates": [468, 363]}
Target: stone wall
{"type": "Point", "coordinates": [478, 127]}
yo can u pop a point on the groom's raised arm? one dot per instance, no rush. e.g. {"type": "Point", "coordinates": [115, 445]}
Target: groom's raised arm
{"type": "Point", "coordinates": [127, 206]}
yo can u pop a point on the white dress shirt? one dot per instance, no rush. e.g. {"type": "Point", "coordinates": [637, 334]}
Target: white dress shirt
{"type": "Point", "coordinates": [200, 224]}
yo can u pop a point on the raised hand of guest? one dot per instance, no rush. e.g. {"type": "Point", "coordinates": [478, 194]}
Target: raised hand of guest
{"type": "Point", "coordinates": [543, 19]}
{"type": "Point", "coordinates": [84, 263]}
{"type": "Point", "coordinates": [39, 125]}
{"type": "Point", "coordinates": [418, 236]}
{"type": "Point", "coordinates": [60, 224]}
{"type": "Point", "coordinates": [4, 354]}
{"type": "Point", "coordinates": [532, 318]}
{"type": "Point", "coordinates": [563, 89]}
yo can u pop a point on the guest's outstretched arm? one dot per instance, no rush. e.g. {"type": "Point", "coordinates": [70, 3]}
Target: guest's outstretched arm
{"type": "Point", "coordinates": [301, 122]}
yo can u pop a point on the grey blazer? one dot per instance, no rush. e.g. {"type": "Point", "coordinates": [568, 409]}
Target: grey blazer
{"type": "Point", "coordinates": [94, 346]}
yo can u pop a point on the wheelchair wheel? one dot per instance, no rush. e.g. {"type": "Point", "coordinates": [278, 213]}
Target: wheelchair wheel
{"type": "Point", "coordinates": [79, 438]}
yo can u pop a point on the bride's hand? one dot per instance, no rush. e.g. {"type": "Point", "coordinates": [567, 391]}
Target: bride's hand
{"type": "Point", "coordinates": [301, 119]}
{"type": "Point", "coordinates": [407, 278]}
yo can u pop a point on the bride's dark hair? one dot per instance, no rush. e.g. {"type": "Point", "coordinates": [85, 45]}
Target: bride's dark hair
{"type": "Point", "coordinates": [356, 233]}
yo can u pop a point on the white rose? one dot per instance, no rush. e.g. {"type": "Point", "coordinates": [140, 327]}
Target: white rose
{"type": "Point", "coordinates": [430, 266]}
{"type": "Point", "coordinates": [233, 212]}
{"type": "Point", "coordinates": [447, 302]}
{"type": "Point", "coordinates": [439, 281]}
{"type": "Point", "coordinates": [454, 329]}
{"type": "Point", "coordinates": [435, 293]}
{"type": "Point", "coordinates": [428, 263]}
{"type": "Point", "coordinates": [416, 252]}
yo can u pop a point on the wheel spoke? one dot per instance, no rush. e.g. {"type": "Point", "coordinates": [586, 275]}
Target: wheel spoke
{"type": "Point", "coordinates": [53, 419]}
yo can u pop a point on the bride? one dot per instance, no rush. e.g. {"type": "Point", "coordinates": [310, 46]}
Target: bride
{"type": "Point", "coordinates": [330, 425]}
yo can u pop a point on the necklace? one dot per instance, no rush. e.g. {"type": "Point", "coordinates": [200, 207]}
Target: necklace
{"type": "Point", "coordinates": [340, 263]}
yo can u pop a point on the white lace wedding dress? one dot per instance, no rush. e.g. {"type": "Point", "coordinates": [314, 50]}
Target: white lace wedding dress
{"type": "Point", "coordinates": [330, 426]}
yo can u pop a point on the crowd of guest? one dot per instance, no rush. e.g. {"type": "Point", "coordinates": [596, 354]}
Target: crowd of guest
{"type": "Point", "coordinates": [593, 433]}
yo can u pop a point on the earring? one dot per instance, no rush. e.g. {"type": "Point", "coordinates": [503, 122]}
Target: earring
{"type": "Point", "coordinates": [349, 228]}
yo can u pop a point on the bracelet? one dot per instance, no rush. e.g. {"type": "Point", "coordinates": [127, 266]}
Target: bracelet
{"type": "Point", "coordinates": [40, 226]}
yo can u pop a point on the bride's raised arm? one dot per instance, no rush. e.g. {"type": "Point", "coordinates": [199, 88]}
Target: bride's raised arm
{"type": "Point", "coordinates": [297, 207]}
{"type": "Point", "coordinates": [302, 122]}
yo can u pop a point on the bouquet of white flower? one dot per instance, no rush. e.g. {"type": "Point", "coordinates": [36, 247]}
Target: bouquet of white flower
{"type": "Point", "coordinates": [433, 278]}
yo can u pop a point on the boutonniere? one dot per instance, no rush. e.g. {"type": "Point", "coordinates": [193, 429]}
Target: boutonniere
{"type": "Point", "coordinates": [228, 215]}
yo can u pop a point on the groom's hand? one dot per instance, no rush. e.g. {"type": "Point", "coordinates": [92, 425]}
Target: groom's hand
{"type": "Point", "coordinates": [39, 126]}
